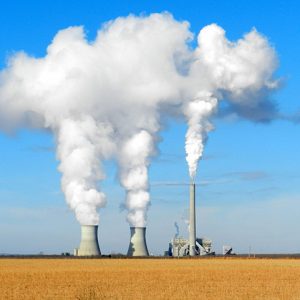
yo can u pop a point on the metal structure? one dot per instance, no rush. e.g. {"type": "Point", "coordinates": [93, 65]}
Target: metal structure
{"type": "Point", "coordinates": [89, 241]}
{"type": "Point", "coordinates": [137, 245]}
{"type": "Point", "coordinates": [193, 246]}
{"type": "Point", "coordinates": [204, 246]}
{"type": "Point", "coordinates": [227, 250]}
{"type": "Point", "coordinates": [179, 247]}
{"type": "Point", "coordinates": [192, 237]}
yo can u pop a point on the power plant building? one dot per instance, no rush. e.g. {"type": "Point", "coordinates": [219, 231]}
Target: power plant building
{"type": "Point", "coordinates": [138, 247]}
{"type": "Point", "coordinates": [179, 247]}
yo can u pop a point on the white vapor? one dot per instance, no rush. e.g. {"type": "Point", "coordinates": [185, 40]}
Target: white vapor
{"type": "Point", "coordinates": [81, 145]}
{"type": "Point", "coordinates": [237, 71]}
{"type": "Point", "coordinates": [134, 176]}
{"type": "Point", "coordinates": [105, 99]}
{"type": "Point", "coordinates": [197, 113]}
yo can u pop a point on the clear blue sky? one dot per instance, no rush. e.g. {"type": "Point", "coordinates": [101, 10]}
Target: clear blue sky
{"type": "Point", "coordinates": [251, 194]}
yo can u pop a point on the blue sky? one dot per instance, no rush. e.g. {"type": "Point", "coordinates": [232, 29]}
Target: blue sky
{"type": "Point", "coordinates": [249, 191]}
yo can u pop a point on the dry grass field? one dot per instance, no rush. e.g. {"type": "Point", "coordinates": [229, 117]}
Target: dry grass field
{"type": "Point", "coordinates": [216, 278]}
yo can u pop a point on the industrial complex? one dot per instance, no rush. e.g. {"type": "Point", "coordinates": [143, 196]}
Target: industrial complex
{"type": "Point", "coordinates": [178, 247]}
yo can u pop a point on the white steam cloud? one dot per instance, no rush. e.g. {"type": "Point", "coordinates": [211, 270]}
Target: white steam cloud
{"type": "Point", "coordinates": [197, 113]}
{"type": "Point", "coordinates": [80, 149]}
{"type": "Point", "coordinates": [134, 162]}
{"type": "Point", "coordinates": [105, 99]}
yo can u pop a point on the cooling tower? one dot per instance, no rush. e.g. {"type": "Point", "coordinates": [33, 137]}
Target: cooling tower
{"type": "Point", "coordinates": [138, 246]}
{"type": "Point", "coordinates": [192, 220]}
{"type": "Point", "coordinates": [89, 241]}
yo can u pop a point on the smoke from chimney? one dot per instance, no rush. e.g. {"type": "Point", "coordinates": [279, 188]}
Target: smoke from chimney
{"type": "Point", "coordinates": [105, 99]}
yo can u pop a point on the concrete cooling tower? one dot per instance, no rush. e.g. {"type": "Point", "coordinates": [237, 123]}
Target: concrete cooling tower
{"type": "Point", "coordinates": [138, 246]}
{"type": "Point", "coordinates": [89, 241]}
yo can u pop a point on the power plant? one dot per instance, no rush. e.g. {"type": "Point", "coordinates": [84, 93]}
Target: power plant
{"type": "Point", "coordinates": [193, 246]}
{"type": "Point", "coordinates": [178, 246]}
{"type": "Point", "coordinates": [137, 245]}
{"type": "Point", "coordinates": [89, 245]}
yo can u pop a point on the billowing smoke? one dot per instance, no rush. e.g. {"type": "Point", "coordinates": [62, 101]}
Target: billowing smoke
{"type": "Point", "coordinates": [80, 149]}
{"type": "Point", "coordinates": [240, 72]}
{"type": "Point", "coordinates": [197, 113]}
{"type": "Point", "coordinates": [134, 162]}
{"type": "Point", "coordinates": [106, 98]}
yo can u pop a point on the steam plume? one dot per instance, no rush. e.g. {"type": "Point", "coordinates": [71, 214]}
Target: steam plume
{"type": "Point", "coordinates": [134, 176]}
{"type": "Point", "coordinates": [241, 72]}
{"type": "Point", "coordinates": [198, 112]}
{"type": "Point", "coordinates": [80, 152]}
{"type": "Point", "coordinates": [105, 99]}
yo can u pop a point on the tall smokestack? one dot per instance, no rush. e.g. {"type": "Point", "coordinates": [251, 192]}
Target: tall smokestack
{"type": "Point", "coordinates": [89, 241]}
{"type": "Point", "coordinates": [192, 220]}
{"type": "Point", "coordinates": [138, 246]}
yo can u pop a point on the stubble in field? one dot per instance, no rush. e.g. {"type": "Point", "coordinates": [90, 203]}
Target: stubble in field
{"type": "Point", "coordinates": [149, 278]}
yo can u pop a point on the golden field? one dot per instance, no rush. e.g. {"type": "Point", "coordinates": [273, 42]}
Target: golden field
{"type": "Point", "coordinates": [215, 278]}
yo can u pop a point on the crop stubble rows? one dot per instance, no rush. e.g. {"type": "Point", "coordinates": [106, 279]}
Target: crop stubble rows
{"type": "Point", "coordinates": [149, 279]}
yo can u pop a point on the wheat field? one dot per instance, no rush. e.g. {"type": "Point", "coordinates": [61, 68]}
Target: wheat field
{"type": "Point", "coordinates": [216, 278]}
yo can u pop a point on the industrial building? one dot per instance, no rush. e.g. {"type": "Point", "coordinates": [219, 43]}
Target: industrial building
{"type": "Point", "coordinates": [89, 245]}
{"type": "Point", "coordinates": [193, 246]}
{"type": "Point", "coordinates": [179, 247]}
